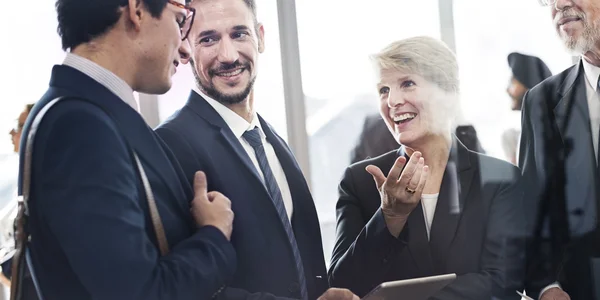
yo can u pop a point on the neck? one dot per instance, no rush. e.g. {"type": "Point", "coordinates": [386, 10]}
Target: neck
{"type": "Point", "coordinates": [593, 56]}
{"type": "Point", "coordinates": [244, 109]}
{"type": "Point", "coordinates": [104, 53]}
{"type": "Point", "coordinates": [435, 151]}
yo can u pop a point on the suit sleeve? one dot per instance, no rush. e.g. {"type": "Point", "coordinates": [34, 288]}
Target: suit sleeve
{"type": "Point", "coordinates": [88, 196]}
{"type": "Point", "coordinates": [363, 246]}
{"type": "Point", "coordinates": [538, 266]}
{"type": "Point", "coordinates": [503, 253]}
{"type": "Point", "coordinates": [190, 163]}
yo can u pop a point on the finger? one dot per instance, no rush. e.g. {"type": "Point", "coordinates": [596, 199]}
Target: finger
{"type": "Point", "coordinates": [422, 181]}
{"type": "Point", "coordinates": [377, 175]}
{"type": "Point", "coordinates": [414, 180]}
{"type": "Point", "coordinates": [212, 196]}
{"type": "Point", "coordinates": [410, 169]}
{"type": "Point", "coordinates": [200, 186]}
{"type": "Point", "coordinates": [394, 172]}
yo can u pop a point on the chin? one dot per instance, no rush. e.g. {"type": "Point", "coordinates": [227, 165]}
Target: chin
{"type": "Point", "coordinates": [159, 88]}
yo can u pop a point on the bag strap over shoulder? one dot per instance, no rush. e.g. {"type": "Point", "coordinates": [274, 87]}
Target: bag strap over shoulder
{"type": "Point", "coordinates": [22, 234]}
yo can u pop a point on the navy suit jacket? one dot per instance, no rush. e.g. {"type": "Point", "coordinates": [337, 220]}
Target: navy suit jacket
{"type": "Point", "coordinates": [92, 236]}
{"type": "Point", "coordinates": [201, 140]}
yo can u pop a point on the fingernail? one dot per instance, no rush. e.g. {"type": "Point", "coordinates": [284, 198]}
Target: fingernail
{"type": "Point", "coordinates": [421, 160]}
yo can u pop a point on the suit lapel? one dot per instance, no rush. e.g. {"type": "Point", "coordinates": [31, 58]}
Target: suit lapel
{"type": "Point", "coordinates": [130, 123]}
{"type": "Point", "coordinates": [456, 183]}
{"type": "Point", "coordinates": [418, 245]}
{"type": "Point", "coordinates": [573, 105]}
{"type": "Point", "coordinates": [208, 113]}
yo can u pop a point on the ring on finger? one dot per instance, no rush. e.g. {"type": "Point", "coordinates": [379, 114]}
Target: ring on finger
{"type": "Point", "coordinates": [410, 191]}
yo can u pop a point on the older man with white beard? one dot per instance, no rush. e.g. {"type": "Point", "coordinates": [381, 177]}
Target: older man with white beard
{"type": "Point", "coordinates": [559, 158]}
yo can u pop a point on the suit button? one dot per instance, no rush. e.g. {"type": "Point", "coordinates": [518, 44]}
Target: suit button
{"type": "Point", "coordinates": [294, 288]}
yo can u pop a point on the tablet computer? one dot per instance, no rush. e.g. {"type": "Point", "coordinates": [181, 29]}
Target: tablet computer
{"type": "Point", "coordinates": [413, 289]}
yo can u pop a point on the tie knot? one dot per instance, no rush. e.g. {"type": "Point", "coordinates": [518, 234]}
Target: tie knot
{"type": "Point", "coordinates": [253, 137]}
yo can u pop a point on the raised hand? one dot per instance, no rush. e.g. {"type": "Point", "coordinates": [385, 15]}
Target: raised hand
{"type": "Point", "coordinates": [401, 190]}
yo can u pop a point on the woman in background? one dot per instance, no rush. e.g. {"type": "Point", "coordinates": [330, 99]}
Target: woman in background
{"type": "Point", "coordinates": [8, 212]}
{"type": "Point", "coordinates": [431, 207]}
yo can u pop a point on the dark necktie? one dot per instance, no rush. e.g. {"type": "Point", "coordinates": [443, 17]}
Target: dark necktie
{"type": "Point", "coordinates": [253, 138]}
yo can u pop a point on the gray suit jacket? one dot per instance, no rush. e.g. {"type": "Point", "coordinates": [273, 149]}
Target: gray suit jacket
{"type": "Point", "coordinates": [562, 256]}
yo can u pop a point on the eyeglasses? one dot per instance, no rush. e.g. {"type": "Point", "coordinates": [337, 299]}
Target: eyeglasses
{"type": "Point", "coordinates": [547, 2]}
{"type": "Point", "coordinates": [185, 25]}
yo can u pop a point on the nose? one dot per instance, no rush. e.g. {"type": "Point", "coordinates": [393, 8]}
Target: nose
{"type": "Point", "coordinates": [563, 4]}
{"type": "Point", "coordinates": [185, 51]}
{"type": "Point", "coordinates": [395, 98]}
{"type": "Point", "coordinates": [227, 51]}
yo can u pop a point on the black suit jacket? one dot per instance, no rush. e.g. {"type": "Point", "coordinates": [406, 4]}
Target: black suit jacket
{"type": "Point", "coordinates": [476, 232]}
{"type": "Point", "coordinates": [201, 140]}
{"type": "Point", "coordinates": [561, 97]}
{"type": "Point", "coordinates": [92, 235]}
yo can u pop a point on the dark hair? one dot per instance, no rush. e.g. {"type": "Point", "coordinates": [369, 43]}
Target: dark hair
{"type": "Point", "coordinates": [251, 4]}
{"type": "Point", "coordinates": [28, 107]}
{"type": "Point", "coordinates": [82, 21]}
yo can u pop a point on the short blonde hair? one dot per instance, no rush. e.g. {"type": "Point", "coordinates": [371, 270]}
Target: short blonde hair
{"type": "Point", "coordinates": [424, 56]}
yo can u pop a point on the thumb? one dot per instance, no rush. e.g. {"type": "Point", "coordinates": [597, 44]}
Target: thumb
{"type": "Point", "coordinates": [200, 186]}
{"type": "Point", "coordinates": [377, 175]}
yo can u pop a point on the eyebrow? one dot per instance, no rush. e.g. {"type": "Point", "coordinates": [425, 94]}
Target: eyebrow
{"type": "Point", "coordinates": [207, 33]}
{"type": "Point", "coordinates": [240, 27]}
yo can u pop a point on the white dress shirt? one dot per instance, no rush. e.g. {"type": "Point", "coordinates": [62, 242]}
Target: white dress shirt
{"type": "Point", "coordinates": [103, 76]}
{"type": "Point", "coordinates": [238, 126]}
{"type": "Point", "coordinates": [592, 73]}
{"type": "Point", "coordinates": [428, 203]}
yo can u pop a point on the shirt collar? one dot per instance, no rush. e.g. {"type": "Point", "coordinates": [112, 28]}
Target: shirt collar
{"type": "Point", "coordinates": [592, 73]}
{"type": "Point", "coordinates": [103, 76]}
{"type": "Point", "coordinates": [236, 123]}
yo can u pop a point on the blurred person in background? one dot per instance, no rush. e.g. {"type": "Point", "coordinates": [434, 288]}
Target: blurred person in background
{"type": "Point", "coordinates": [526, 72]}
{"type": "Point", "coordinates": [8, 210]}
{"type": "Point", "coordinates": [559, 159]}
{"type": "Point", "coordinates": [432, 206]}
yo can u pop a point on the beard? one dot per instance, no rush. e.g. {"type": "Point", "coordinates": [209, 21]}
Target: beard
{"type": "Point", "coordinates": [211, 90]}
{"type": "Point", "coordinates": [589, 36]}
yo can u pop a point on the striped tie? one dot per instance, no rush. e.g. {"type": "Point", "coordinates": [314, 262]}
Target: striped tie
{"type": "Point", "coordinates": [254, 139]}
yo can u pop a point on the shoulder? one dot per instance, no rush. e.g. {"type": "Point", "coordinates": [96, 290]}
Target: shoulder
{"type": "Point", "coordinates": [495, 171]}
{"type": "Point", "coordinates": [71, 116]}
{"type": "Point", "coordinates": [547, 90]}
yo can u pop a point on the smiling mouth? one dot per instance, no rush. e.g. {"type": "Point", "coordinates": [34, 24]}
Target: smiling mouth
{"type": "Point", "coordinates": [564, 21]}
{"type": "Point", "coordinates": [403, 118]}
{"type": "Point", "coordinates": [230, 73]}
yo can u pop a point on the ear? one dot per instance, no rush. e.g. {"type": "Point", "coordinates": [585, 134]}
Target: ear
{"type": "Point", "coordinates": [261, 37]}
{"type": "Point", "coordinates": [134, 13]}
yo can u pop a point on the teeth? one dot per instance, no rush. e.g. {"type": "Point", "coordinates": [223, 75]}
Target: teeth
{"type": "Point", "coordinates": [229, 74]}
{"type": "Point", "coordinates": [405, 116]}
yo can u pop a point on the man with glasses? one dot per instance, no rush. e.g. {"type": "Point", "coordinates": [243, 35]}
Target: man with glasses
{"type": "Point", "coordinates": [559, 158]}
{"type": "Point", "coordinates": [109, 215]}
